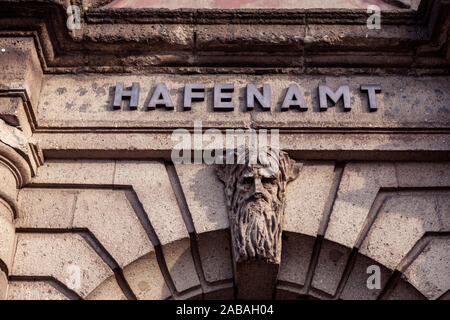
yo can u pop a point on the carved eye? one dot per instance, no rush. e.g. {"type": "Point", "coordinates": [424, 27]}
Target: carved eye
{"type": "Point", "coordinates": [265, 180]}
{"type": "Point", "coordinates": [248, 180]}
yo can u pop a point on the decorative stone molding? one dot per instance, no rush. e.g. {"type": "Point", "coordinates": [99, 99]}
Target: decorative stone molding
{"type": "Point", "coordinates": [256, 195]}
{"type": "Point", "coordinates": [163, 40]}
{"type": "Point", "coordinates": [20, 156]}
{"type": "Point", "coordinates": [19, 159]}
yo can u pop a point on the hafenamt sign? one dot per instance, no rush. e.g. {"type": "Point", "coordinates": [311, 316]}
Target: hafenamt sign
{"type": "Point", "coordinates": [223, 96]}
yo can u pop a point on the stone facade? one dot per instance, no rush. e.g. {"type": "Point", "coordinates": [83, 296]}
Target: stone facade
{"type": "Point", "coordinates": [92, 206]}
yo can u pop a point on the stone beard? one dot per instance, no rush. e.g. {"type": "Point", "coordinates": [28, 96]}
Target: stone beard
{"type": "Point", "coordinates": [255, 201]}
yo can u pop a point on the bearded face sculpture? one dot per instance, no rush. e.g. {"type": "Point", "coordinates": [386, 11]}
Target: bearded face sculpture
{"type": "Point", "coordinates": [256, 192]}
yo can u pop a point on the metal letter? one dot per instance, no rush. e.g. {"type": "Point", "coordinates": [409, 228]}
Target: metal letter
{"type": "Point", "coordinates": [193, 92]}
{"type": "Point", "coordinates": [223, 93]}
{"type": "Point", "coordinates": [293, 98]}
{"type": "Point", "coordinates": [133, 94]}
{"type": "Point", "coordinates": [263, 99]}
{"type": "Point", "coordinates": [325, 92]}
{"type": "Point", "coordinates": [160, 98]}
{"type": "Point", "coordinates": [372, 90]}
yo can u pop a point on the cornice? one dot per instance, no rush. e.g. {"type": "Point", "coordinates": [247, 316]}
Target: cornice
{"type": "Point", "coordinates": [223, 41]}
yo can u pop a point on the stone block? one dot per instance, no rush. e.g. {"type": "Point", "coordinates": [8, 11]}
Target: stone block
{"type": "Point", "coordinates": [20, 64]}
{"type": "Point", "coordinates": [401, 222]}
{"type": "Point", "coordinates": [215, 254]}
{"type": "Point", "coordinates": [8, 191]}
{"type": "Point", "coordinates": [151, 183]}
{"type": "Point", "coordinates": [73, 172]}
{"type": "Point", "coordinates": [205, 197]}
{"type": "Point", "coordinates": [423, 174]}
{"type": "Point", "coordinates": [181, 265]}
{"type": "Point", "coordinates": [282, 294]}
{"type": "Point", "coordinates": [46, 208]}
{"type": "Point", "coordinates": [145, 279]}
{"type": "Point", "coordinates": [3, 285]}
{"type": "Point", "coordinates": [295, 257]}
{"type": "Point", "coordinates": [7, 241]}
{"type": "Point", "coordinates": [11, 110]}
{"type": "Point", "coordinates": [249, 37]}
{"type": "Point", "coordinates": [107, 290]}
{"type": "Point", "coordinates": [65, 256]}
{"type": "Point", "coordinates": [430, 271]}
{"type": "Point", "coordinates": [306, 197]}
{"type": "Point", "coordinates": [330, 267]}
{"type": "Point", "coordinates": [6, 211]}
{"type": "Point", "coordinates": [225, 293]}
{"type": "Point", "coordinates": [405, 291]}
{"type": "Point", "coordinates": [33, 290]}
{"type": "Point", "coordinates": [110, 217]}
{"type": "Point", "coordinates": [359, 187]}
{"type": "Point", "coordinates": [356, 285]}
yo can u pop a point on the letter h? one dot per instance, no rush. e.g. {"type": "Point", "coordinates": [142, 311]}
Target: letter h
{"type": "Point", "coordinates": [133, 94]}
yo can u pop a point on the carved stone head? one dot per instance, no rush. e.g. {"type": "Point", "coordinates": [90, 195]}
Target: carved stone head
{"type": "Point", "coordinates": [255, 192]}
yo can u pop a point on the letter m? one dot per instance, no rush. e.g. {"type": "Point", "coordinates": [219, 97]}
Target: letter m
{"type": "Point", "coordinates": [326, 93]}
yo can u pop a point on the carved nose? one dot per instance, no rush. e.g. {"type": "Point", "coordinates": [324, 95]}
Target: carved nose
{"type": "Point", "coordinates": [258, 186]}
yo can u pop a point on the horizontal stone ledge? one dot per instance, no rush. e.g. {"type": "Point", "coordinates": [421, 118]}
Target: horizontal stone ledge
{"type": "Point", "coordinates": [350, 146]}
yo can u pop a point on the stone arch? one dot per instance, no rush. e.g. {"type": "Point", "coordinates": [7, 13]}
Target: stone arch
{"type": "Point", "coordinates": [338, 219]}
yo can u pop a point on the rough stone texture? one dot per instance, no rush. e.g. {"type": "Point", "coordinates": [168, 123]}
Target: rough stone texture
{"type": "Point", "coordinates": [107, 290]}
{"type": "Point", "coordinates": [5, 211]}
{"type": "Point", "coordinates": [356, 285]}
{"type": "Point", "coordinates": [226, 293]}
{"type": "Point", "coordinates": [402, 221]}
{"type": "Point", "coordinates": [359, 187]}
{"type": "Point", "coordinates": [20, 64]}
{"type": "Point", "coordinates": [11, 110]}
{"type": "Point", "coordinates": [205, 197]}
{"type": "Point", "coordinates": [306, 197]}
{"type": "Point", "coordinates": [241, 4]}
{"type": "Point", "coordinates": [430, 271]}
{"type": "Point", "coordinates": [164, 36]}
{"type": "Point", "coordinates": [425, 174]}
{"type": "Point", "coordinates": [215, 37]}
{"type": "Point", "coordinates": [405, 291]}
{"type": "Point", "coordinates": [46, 208]}
{"type": "Point", "coordinates": [20, 151]}
{"type": "Point", "coordinates": [33, 290]}
{"type": "Point", "coordinates": [109, 216]}
{"type": "Point", "coordinates": [145, 279]}
{"type": "Point", "coordinates": [409, 57]}
{"type": "Point", "coordinates": [40, 254]}
{"type": "Point", "coordinates": [3, 285]}
{"type": "Point", "coordinates": [215, 254]}
{"type": "Point", "coordinates": [282, 294]}
{"type": "Point", "coordinates": [330, 267]}
{"type": "Point", "coordinates": [70, 172]}
{"type": "Point", "coordinates": [180, 264]}
{"type": "Point", "coordinates": [151, 183]}
{"type": "Point", "coordinates": [8, 190]}
{"type": "Point", "coordinates": [422, 100]}
{"type": "Point", "coordinates": [7, 239]}
{"type": "Point", "coordinates": [295, 257]}
{"type": "Point", "coordinates": [348, 146]}
{"type": "Point", "coordinates": [103, 212]}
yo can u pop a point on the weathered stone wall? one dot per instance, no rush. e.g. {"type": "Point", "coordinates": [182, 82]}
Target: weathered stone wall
{"type": "Point", "coordinates": [130, 236]}
{"type": "Point", "coordinates": [107, 215]}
